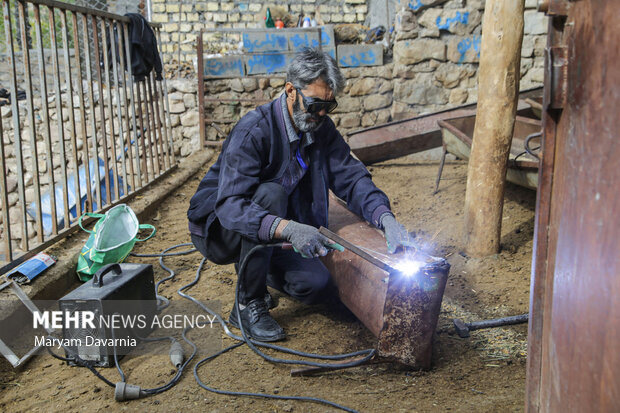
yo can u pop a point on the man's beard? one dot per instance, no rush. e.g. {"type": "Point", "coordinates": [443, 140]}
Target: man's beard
{"type": "Point", "coordinates": [306, 122]}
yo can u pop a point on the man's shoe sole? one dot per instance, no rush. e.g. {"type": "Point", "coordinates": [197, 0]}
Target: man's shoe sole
{"type": "Point", "coordinates": [280, 337]}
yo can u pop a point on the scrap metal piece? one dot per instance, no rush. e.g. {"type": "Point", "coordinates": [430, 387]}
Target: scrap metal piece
{"type": "Point", "coordinates": [401, 313]}
{"type": "Point", "coordinates": [5, 350]}
{"type": "Point", "coordinates": [463, 329]}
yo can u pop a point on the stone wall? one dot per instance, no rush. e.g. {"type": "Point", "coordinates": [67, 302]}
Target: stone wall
{"type": "Point", "coordinates": [181, 21]}
{"type": "Point", "coordinates": [432, 63]}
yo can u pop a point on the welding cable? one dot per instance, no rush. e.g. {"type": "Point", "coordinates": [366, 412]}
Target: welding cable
{"type": "Point", "coordinates": [160, 298]}
{"type": "Point", "coordinates": [244, 339]}
{"type": "Point", "coordinates": [229, 333]}
{"type": "Point", "coordinates": [251, 343]}
{"type": "Point", "coordinates": [80, 362]}
{"type": "Point", "coordinates": [263, 395]}
{"type": "Point", "coordinates": [240, 343]}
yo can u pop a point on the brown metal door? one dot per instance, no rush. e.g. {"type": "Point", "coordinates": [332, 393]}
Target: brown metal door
{"type": "Point", "coordinates": [574, 333]}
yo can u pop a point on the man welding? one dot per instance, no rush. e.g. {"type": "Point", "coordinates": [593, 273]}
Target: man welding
{"type": "Point", "coordinates": [270, 183]}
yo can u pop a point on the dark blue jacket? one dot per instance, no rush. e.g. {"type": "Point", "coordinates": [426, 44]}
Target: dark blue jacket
{"type": "Point", "coordinates": [257, 151]}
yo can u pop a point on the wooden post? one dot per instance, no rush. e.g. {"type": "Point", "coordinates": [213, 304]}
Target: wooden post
{"type": "Point", "coordinates": [498, 91]}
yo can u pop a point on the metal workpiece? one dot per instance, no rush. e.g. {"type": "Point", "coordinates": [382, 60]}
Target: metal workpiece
{"type": "Point", "coordinates": [400, 309]}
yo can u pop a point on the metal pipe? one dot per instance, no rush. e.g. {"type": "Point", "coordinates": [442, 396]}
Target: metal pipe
{"type": "Point", "coordinates": [123, 80]}
{"type": "Point", "coordinates": [6, 219]}
{"type": "Point", "coordinates": [400, 310]}
{"type": "Point", "coordinates": [109, 86]}
{"type": "Point", "coordinates": [119, 113]}
{"type": "Point", "coordinates": [162, 122]}
{"type": "Point", "coordinates": [46, 120]}
{"type": "Point", "coordinates": [33, 139]}
{"type": "Point", "coordinates": [158, 124]}
{"type": "Point", "coordinates": [69, 86]}
{"type": "Point", "coordinates": [93, 120]}
{"type": "Point", "coordinates": [140, 136]}
{"type": "Point", "coordinates": [151, 116]}
{"type": "Point", "coordinates": [201, 89]}
{"type": "Point", "coordinates": [80, 91]}
{"type": "Point", "coordinates": [59, 117]}
{"type": "Point", "coordinates": [8, 30]}
{"type": "Point", "coordinates": [106, 159]}
{"type": "Point", "coordinates": [166, 103]}
{"type": "Point", "coordinates": [132, 101]}
{"type": "Point", "coordinates": [148, 132]}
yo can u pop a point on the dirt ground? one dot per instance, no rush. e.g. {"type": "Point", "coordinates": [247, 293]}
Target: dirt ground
{"type": "Point", "coordinates": [484, 373]}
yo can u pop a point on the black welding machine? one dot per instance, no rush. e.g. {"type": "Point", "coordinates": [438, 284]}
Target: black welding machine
{"type": "Point", "coordinates": [109, 313]}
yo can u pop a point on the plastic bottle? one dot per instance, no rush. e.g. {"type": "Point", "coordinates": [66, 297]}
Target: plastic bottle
{"type": "Point", "coordinates": [279, 24]}
{"type": "Point", "coordinates": [268, 19]}
{"type": "Point", "coordinates": [306, 22]}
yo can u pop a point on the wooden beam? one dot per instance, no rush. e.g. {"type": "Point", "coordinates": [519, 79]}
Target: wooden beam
{"type": "Point", "coordinates": [498, 88]}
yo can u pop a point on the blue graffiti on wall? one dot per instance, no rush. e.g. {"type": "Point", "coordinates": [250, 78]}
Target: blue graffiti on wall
{"type": "Point", "coordinates": [450, 21]}
{"type": "Point", "coordinates": [271, 42]}
{"type": "Point", "coordinates": [468, 43]}
{"type": "Point", "coordinates": [367, 58]}
{"type": "Point", "coordinates": [266, 63]}
{"type": "Point", "coordinates": [215, 67]}
{"type": "Point", "coordinates": [299, 41]}
{"type": "Point", "coordinates": [415, 5]}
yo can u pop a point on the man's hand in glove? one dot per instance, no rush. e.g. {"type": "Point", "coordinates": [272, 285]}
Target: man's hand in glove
{"type": "Point", "coordinates": [395, 234]}
{"type": "Point", "coordinates": [306, 240]}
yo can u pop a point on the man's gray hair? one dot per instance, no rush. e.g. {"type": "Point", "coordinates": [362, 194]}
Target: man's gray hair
{"type": "Point", "coordinates": [311, 64]}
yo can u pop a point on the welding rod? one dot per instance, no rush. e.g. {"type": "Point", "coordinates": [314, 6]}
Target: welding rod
{"type": "Point", "coordinates": [356, 250]}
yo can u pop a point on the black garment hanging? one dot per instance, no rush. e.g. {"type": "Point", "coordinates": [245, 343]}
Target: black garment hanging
{"type": "Point", "coordinates": [144, 54]}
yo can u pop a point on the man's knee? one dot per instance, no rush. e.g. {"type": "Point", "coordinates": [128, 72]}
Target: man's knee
{"type": "Point", "coordinates": [272, 197]}
{"type": "Point", "coordinates": [307, 286]}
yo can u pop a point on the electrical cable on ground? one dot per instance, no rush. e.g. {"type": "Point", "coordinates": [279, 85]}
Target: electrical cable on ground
{"type": "Point", "coordinates": [125, 391]}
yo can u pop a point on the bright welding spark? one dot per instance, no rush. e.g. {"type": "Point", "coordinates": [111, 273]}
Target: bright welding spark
{"type": "Point", "coordinates": [409, 267]}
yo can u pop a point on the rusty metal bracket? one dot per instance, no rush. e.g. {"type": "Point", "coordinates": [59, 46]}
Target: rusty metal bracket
{"type": "Point", "coordinates": [556, 66]}
{"type": "Point", "coordinates": [554, 7]}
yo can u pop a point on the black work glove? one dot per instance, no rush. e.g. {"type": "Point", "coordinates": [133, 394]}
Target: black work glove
{"type": "Point", "coordinates": [395, 234]}
{"type": "Point", "coordinates": [306, 240]}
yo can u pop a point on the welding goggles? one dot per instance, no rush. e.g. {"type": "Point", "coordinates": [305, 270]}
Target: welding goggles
{"type": "Point", "coordinates": [314, 105]}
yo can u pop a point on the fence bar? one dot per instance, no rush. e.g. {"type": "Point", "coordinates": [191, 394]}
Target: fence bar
{"type": "Point", "coordinates": [47, 141]}
{"type": "Point", "coordinates": [59, 117]}
{"type": "Point", "coordinates": [147, 120]}
{"type": "Point", "coordinates": [108, 83]}
{"type": "Point", "coordinates": [33, 139]}
{"type": "Point", "coordinates": [153, 134]}
{"type": "Point", "coordinates": [80, 91]}
{"type": "Point", "coordinates": [67, 231]}
{"type": "Point", "coordinates": [142, 132]}
{"type": "Point", "coordinates": [6, 219]}
{"type": "Point", "coordinates": [162, 122]}
{"type": "Point", "coordinates": [69, 86]}
{"type": "Point", "coordinates": [8, 29]}
{"type": "Point", "coordinates": [165, 97]}
{"type": "Point", "coordinates": [93, 117]}
{"type": "Point", "coordinates": [119, 111]}
{"type": "Point", "coordinates": [104, 145]}
{"type": "Point", "coordinates": [201, 89]}
{"type": "Point", "coordinates": [85, 10]}
{"type": "Point", "coordinates": [157, 121]}
{"type": "Point", "coordinates": [46, 120]}
{"type": "Point", "coordinates": [129, 77]}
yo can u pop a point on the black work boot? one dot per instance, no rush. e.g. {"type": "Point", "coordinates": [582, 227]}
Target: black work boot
{"type": "Point", "coordinates": [257, 322]}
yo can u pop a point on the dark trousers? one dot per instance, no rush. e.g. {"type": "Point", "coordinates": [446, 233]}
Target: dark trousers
{"type": "Point", "coordinates": [301, 278]}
